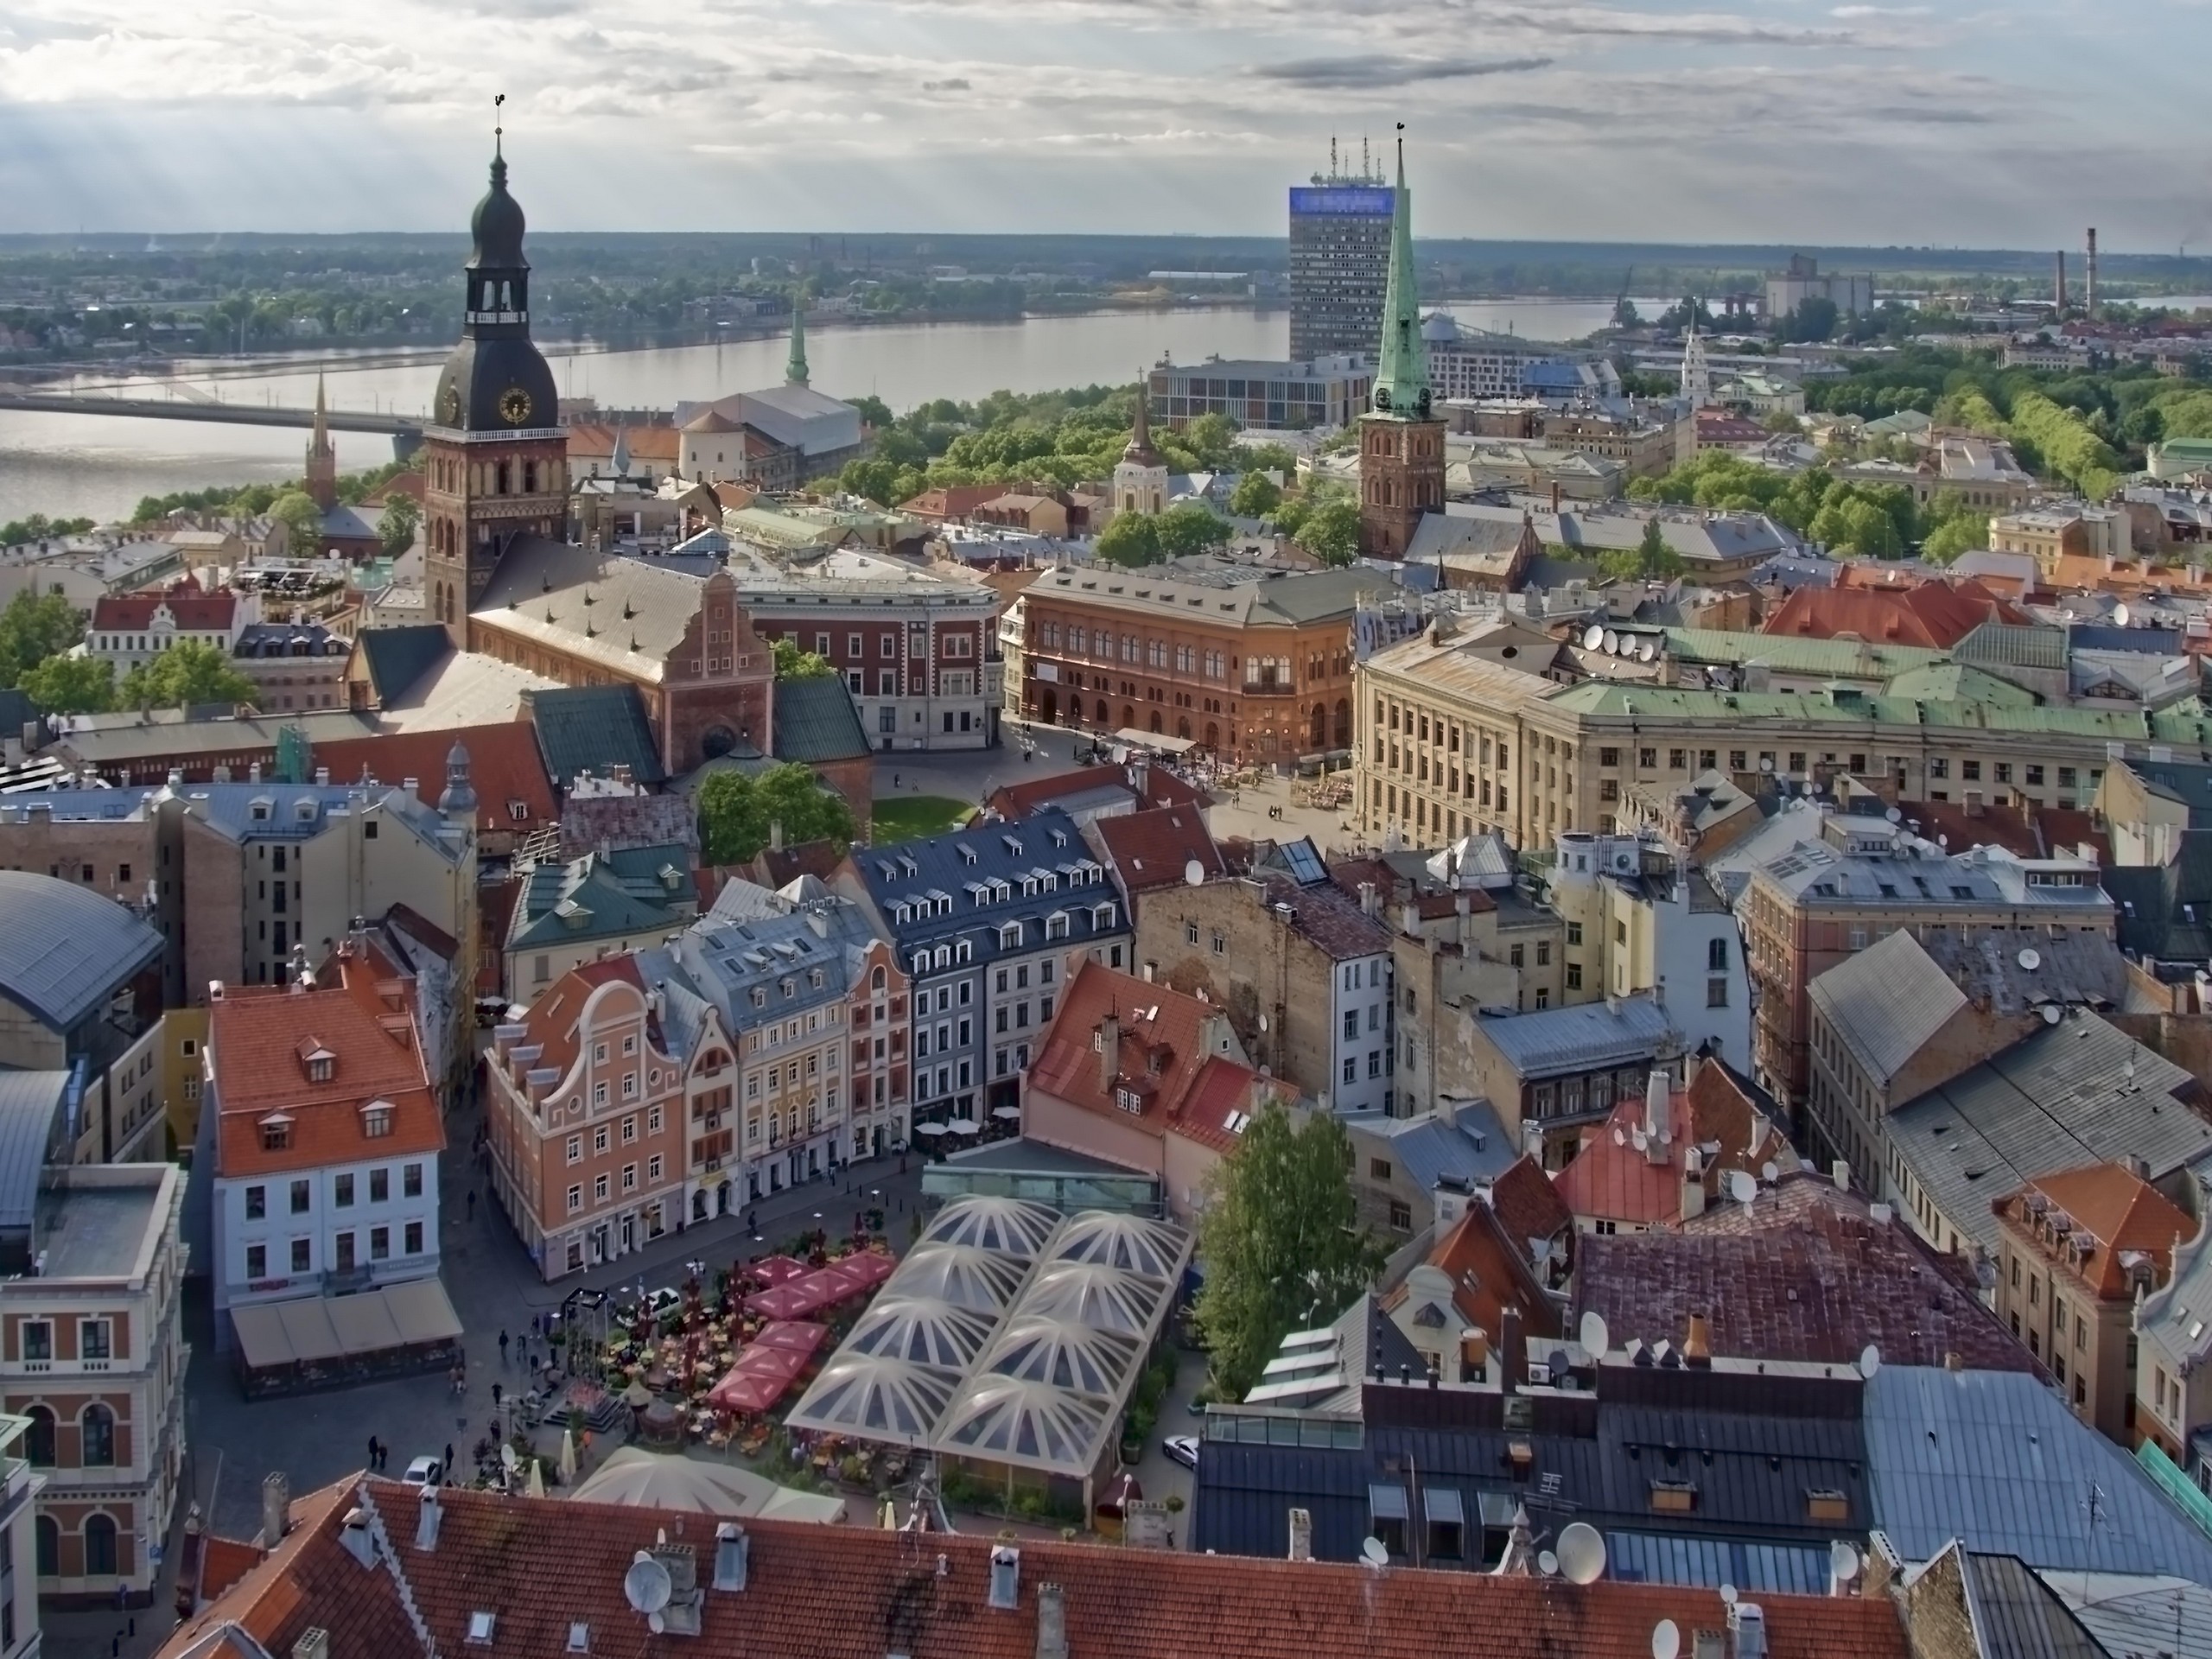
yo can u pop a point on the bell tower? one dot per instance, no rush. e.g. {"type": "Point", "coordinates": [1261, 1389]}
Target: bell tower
{"type": "Point", "coordinates": [1401, 442]}
{"type": "Point", "coordinates": [494, 456]}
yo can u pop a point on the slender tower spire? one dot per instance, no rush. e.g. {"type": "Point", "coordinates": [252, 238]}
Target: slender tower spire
{"type": "Point", "coordinates": [320, 477]}
{"type": "Point", "coordinates": [1139, 447]}
{"type": "Point", "coordinates": [795, 365]}
{"type": "Point", "coordinates": [1402, 384]}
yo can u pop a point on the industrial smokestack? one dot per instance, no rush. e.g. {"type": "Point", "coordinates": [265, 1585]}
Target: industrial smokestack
{"type": "Point", "coordinates": [2089, 276]}
{"type": "Point", "coordinates": [2058, 283]}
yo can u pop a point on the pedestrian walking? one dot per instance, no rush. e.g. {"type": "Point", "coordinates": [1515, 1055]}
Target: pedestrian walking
{"type": "Point", "coordinates": [372, 1450]}
{"type": "Point", "coordinates": [384, 1456]}
{"type": "Point", "coordinates": [495, 1396]}
{"type": "Point", "coordinates": [446, 1471]}
{"type": "Point", "coordinates": [472, 1203]}
{"type": "Point", "coordinates": [502, 1348]}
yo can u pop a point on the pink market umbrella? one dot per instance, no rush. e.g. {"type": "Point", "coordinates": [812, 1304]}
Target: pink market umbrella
{"type": "Point", "coordinates": [867, 1268]}
{"type": "Point", "coordinates": [787, 1301]}
{"type": "Point", "coordinates": [775, 1269]}
{"type": "Point", "coordinates": [741, 1392]}
{"type": "Point", "coordinates": [792, 1336]}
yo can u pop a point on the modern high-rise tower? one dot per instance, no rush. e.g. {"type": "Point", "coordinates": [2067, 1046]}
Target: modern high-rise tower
{"type": "Point", "coordinates": [1339, 261]}
{"type": "Point", "coordinates": [494, 457]}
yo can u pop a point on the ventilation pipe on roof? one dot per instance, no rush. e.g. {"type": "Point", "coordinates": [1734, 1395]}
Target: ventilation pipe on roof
{"type": "Point", "coordinates": [313, 1644]}
{"type": "Point", "coordinates": [1512, 1352]}
{"type": "Point", "coordinates": [1005, 1578]}
{"type": "Point", "coordinates": [276, 1509]}
{"type": "Point", "coordinates": [426, 1524]}
{"type": "Point", "coordinates": [1841, 1170]}
{"type": "Point", "coordinates": [355, 1535]}
{"type": "Point", "coordinates": [1301, 1535]}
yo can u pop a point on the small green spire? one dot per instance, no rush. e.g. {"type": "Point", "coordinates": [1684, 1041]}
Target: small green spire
{"type": "Point", "coordinates": [794, 367]}
{"type": "Point", "coordinates": [1402, 384]}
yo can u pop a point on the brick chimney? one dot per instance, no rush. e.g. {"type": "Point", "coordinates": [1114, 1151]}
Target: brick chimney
{"type": "Point", "coordinates": [1110, 1050]}
{"type": "Point", "coordinates": [276, 1509]}
{"type": "Point", "coordinates": [1512, 1351]}
{"type": "Point", "coordinates": [313, 1644]}
{"type": "Point", "coordinates": [1052, 1622]}
{"type": "Point", "coordinates": [1301, 1535]}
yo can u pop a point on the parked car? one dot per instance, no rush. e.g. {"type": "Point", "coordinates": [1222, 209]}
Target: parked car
{"type": "Point", "coordinates": [1183, 1448]}
{"type": "Point", "coordinates": [423, 1471]}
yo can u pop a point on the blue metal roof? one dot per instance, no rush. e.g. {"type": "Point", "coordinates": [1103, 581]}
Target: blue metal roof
{"type": "Point", "coordinates": [1554, 1042]}
{"type": "Point", "coordinates": [1996, 1458]}
{"type": "Point", "coordinates": [1656, 1557]}
{"type": "Point", "coordinates": [65, 949]}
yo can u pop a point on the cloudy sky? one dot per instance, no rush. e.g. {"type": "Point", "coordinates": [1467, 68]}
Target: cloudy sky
{"type": "Point", "coordinates": [1726, 120]}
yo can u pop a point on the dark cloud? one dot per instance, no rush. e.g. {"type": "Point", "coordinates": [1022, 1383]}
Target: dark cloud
{"type": "Point", "coordinates": [957, 84]}
{"type": "Point", "coordinates": [1384, 69]}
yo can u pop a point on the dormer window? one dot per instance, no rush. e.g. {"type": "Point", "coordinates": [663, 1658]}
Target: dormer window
{"type": "Point", "coordinates": [317, 1061]}
{"type": "Point", "coordinates": [276, 1133]}
{"type": "Point", "coordinates": [759, 997]}
{"type": "Point", "coordinates": [376, 1119]}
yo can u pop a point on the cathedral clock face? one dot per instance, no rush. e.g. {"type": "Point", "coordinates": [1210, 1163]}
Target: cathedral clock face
{"type": "Point", "coordinates": [450, 406]}
{"type": "Point", "coordinates": [514, 406]}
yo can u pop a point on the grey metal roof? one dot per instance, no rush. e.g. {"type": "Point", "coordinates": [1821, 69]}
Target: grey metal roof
{"type": "Point", "coordinates": [30, 1110]}
{"type": "Point", "coordinates": [64, 950]}
{"type": "Point", "coordinates": [2016, 1615]}
{"type": "Point", "coordinates": [1462, 1144]}
{"type": "Point", "coordinates": [397, 657]}
{"type": "Point", "coordinates": [1886, 1002]}
{"type": "Point", "coordinates": [1768, 1569]}
{"type": "Point", "coordinates": [1995, 1458]}
{"type": "Point", "coordinates": [592, 729]}
{"type": "Point", "coordinates": [1554, 1041]}
{"type": "Point", "coordinates": [2177, 1316]}
{"type": "Point", "coordinates": [815, 722]}
{"type": "Point", "coordinates": [2139, 1613]}
{"type": "Point", "coordinates": [2058, 1099]}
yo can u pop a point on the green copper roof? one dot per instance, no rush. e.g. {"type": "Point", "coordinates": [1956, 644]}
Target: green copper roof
{"type": "Point", "coordinates": [1402, 387]}
{"type": "Point", "coordinates": [795, 365]}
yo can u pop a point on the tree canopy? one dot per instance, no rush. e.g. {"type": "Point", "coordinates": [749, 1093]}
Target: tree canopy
{"type": "Point", "coordinates": [302, 520]}
{"type": "Point", "coordinates": [1130, 538]}
{"type": "Point", "coordinates": [71, 685]}
{"type": "Point", "coordinates": [1255, 496]}
{"type": "Point", "coordinates": [395, 529]}
{"type": "Point", "coordinates": [1281, 1239]}
{"type": "Point", "coordinates": [735, 811]}
{"type": "Point", "coordinates": [794, 663]}
{"type": "Point", "coordinates": [34, 627]}
{"type": "Point", "coordinates": [187, 672]}
{"type": "Point", "coordinates": [1189, 527]}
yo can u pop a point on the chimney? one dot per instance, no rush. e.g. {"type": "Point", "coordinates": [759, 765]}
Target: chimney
{"type": "Point", "coordinates": [2089, 275]}
{"type": "Point", "coordinates": [1954, 1360]}
{"type": "Point", "coordinates": [1554, 498]}
{"type": "Point", "coordinates": [1841, 1170]}
{"type": "Point", "coordinates": [1747, 1631]}
{"type": "Point", "coordinates": [276, 1509]}
{"type": "Point", "coordinates": [355, 1535]}
{"type": "Point", "coordinates": [1368, 903]}
{"type": "Point", "coordinates": [1052, 1622]}
{"type": "Point", "coordinates": [313, 1644]}
{"type": "Point", "coordinates": [426, 1524]}
{"type": "Point", "coordinates": [2058, 281]}
{"type": "Point", "coordinates": [1656, 1115]}
{"type": "Point", "coordinates": [775, 835]}
{"type": "Point", "coordinates": [1110, 1050]}
{"type": "Point", "coordinates": [1512, 1354]}
{"type": "Point", "coordinates": [322, 777]}
{"type": "Point", "coordinates": [1693, 1183]}
{"type": "Point", "coordinates": [1697, 1346]}
{"type": "Point", "coordinates": [1301, 1535]}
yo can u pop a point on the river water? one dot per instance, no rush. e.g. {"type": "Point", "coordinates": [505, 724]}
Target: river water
{"type": "Point", "coordinates": [99, 467]}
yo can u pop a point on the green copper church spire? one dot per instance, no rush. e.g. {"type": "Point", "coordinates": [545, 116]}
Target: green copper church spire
{"type": "Point", "coordinates": [1401, 385]}
{"type": "Point", "coordinates": [795, 365]}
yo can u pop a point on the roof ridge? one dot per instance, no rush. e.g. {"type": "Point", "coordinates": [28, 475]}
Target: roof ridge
{"type": "Point", "coordinates": [382, 1538]}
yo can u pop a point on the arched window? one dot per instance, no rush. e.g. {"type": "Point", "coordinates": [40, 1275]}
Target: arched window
{"type": "Point", "coordinates": [99, 1547]}
{"type": "Point", "coordinates": [49, 1547]}
{"type": "Point", "coordinates": [38, 1444]}
{"type": "Point", "coordinates": [99, 1437]}
{"type": "Point", "coordinates": [875, 980]}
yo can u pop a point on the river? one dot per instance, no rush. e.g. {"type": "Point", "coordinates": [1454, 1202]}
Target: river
{"type": "Point", "coordinates": [99, 467]}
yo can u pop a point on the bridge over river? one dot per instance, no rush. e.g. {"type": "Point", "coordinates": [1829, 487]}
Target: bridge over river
{"type": "Point", "coordinates": [405, 431]}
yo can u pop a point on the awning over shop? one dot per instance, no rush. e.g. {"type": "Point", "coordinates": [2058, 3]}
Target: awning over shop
{"type": "Point", "coordinates": [312, 1329]}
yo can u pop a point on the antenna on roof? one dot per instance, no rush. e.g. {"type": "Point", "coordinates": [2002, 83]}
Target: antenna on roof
{"type": "Point", "coordinates": [1727, 1595]}
{"type": "Point", "coordinates": [1769, 1173]}
{"type": "Point", "coordinates": [647, 1585]}
{"type": "Point", "coordinates": [1870, 1360]}
{"type": "Point", "coordinates": [1843, 1561]}
{"type": "Point", "coordinates": [1375, 1553]}
{"type": "Point", "coordinates": [1742, 1187]}
{"type": "Point", "coordinates": [1548, 1564]}
{"type": "Point", "coordinates": [1582, 1553]}
{"type": "Point", "coordinates": [2031, 960]}
{"type": "Point", "coordinates": [1596, 1339]}
{"type": "Point", "coordinates": [1666, 1639]}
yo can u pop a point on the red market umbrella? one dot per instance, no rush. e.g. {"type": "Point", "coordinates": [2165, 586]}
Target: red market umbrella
{"type": "Point", "coordinates": [772, 1270]}
{"type": "Point", "coordinates": [741, 1391]}
{"type": "Point", "coordinates": [867, 1268]}
{"type": "Point", "coordinates": [791, 1336]}
{"type": "Point", "coordinates": [788, 1302]}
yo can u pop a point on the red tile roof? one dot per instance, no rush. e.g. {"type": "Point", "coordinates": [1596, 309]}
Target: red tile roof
{"type": "Point", "coordinates": [260, 1041]}
{"type": "Point", "coordinates": [595, 441]}
{"type": "Point", "coordinates": [2028, 831]}
{"type": "Point", "coordinates": [1807, 1274]}
{"type": "Point", "coordinates": [949, 501]}
{"type": "Point", "coordinates": [1156, 849]}
{"type": "Point", "coordinates": [551, 1022]}
{"type": "Point", "coordinates": [1528, 1205]}
{"type": "Point", "coordinates": [1147, 786]}
{"type": "Point", "coordinates": [1936, 614]}
{"type": "Point", "coordinates": [1613, 1179]}
{"type": "Point", "coordinates": [2115, 1212]}
{"type": "Point", "coordinates": [224, 1561]}
{"type": "Point", "coordinates": [1488, 1273]}
{"type": "Point", "coordinates": [196, 612]}
{"type": "Point", "coordinates": [504, 768]}
{"type": "Point", "coordinates": [539, 1566]}
{"type": "Point", "coordinates": [1162, 1052]}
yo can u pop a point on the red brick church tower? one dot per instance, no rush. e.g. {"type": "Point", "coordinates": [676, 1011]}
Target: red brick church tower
{"type": "Point", "coordinates": [1400, 442]}
{"type": "Point", "coordinates": [495, 457]}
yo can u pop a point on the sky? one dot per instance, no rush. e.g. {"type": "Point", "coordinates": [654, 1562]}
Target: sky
{"type": "Point", "coordinates": [1615, 120]}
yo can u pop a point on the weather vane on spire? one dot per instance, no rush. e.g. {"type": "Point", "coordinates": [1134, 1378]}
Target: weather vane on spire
{"type": "Point", "coordinates": [499, 128]}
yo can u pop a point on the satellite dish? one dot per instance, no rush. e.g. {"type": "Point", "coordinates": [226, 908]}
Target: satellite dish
{"type": "Point", "coordinates": [1727, 1595]}
{"type": "Point", "coordinates": [1582, 1553]}
{"type": "Point", "coordinates": [2031, 959]}
{"type": "Point", "coordinates": [1894, 815]}
{"type": "Point", "coordinates": [1593, 637]}
{"type": "Point", "coordinates": [1612, 643]}
{"type": "Point", "coordinates": [1596, 1339]}
{"type": "Point", "coordinates": [1620, 1135]}
{"type": "Point", "coordinates": [1741, 1186]}
{"type": "Point", "coordinates": [1769, 1173]}
{"type": "Point", "coordinates": [1766, 763]}
{"type": "Point", "coordinates": [1870, 1360]}
{"type": "Point", "coordinates": [1843, 1561]}
{"type": "Point", "coordinates": [646, 1585]}
{"type": "Point", "coordinates": [2119, 616]}
{"type": "Point", "coordinates": [657, 1622]}
{"type": "Point", "coordinates": [1194, 873]}
{"type": "Point", "coordinates": [2051, 1014]}
{"type": "Point", "coordinates": [1375, 1552]}
{"type": "Point", "coordinates": [1263, 1022]}
{"type": "Point", "coordinates": [1646, 653]}
{"type": "Point", "coordinates": [1666, 1639]}
{"type": "Point", "coordinates": [1548, 1564]}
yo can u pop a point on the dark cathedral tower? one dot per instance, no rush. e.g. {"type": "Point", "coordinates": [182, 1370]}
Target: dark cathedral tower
{"type": "Point", "coordinates": [494, 458]}
{"type": "Point", "coordinates": [1401, 440]}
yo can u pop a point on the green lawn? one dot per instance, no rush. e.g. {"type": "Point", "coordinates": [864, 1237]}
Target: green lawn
{"type": "Point", "coordinates": [906, 816]}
